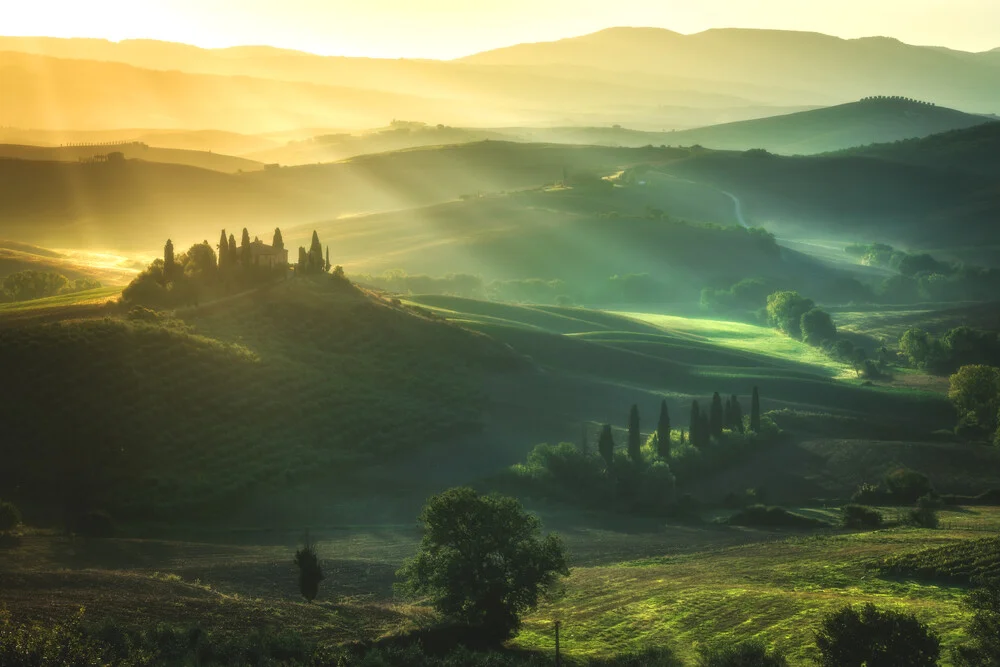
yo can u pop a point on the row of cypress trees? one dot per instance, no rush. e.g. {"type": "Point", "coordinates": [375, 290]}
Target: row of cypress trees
{"type": "Point", "coordinates": [702, 426]}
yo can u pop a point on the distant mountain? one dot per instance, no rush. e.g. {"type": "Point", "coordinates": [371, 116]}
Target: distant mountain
{"type": "Point", "coordinates": [131, 150]}
{"type": "Point", "coordinates": [809, 67]}
{"type": "Point", "coordinates": [870, 121]}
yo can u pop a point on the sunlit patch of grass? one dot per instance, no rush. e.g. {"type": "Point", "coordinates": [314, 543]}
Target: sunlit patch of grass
{"type": "Point", "coordinates": [776, 592]}
{"type": "Point", "coordinates": [86, 297]}
{"type": "Point", "coordinates": [747, 337]}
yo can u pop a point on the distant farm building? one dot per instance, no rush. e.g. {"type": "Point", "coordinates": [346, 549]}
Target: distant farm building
{"type": "Point", "coordinates": [262, 254]}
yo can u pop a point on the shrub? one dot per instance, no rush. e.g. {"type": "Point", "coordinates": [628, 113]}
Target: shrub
{"type": "Point", "coordinates": [142, 314]}
{"type": "Point", "coordinates": [905, 485]}
{"type": "Point", "coordinates": [10, 517]}
{"type": "Point", "coordinates": [310, 572]}
{"type": "Point", "coordinates": [777, 517]}
{"type": "Point", "coordinates": [746, 654]}
{"type": "Point", "coordinates": [924, 514]}
{"type": "Point", "coordinates": [859, 516]}
{"type": "Point", "coordinates": [984, 629]}
{"type": "Point", "coordinates": [875, 637]}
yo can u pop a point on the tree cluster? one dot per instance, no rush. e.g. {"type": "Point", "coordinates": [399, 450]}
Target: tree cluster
{"type": "Point", "coordinates": [31, 284]}
{"type": "Point", "coordinates": [958, 347]}
{"type": "Point", "coordinates": [975, 392]}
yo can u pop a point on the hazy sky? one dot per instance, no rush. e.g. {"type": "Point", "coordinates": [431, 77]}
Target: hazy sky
{"type": "Point", "coordinates": [451, 28]}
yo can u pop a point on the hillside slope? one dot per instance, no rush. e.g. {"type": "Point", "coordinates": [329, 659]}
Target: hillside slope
{"type": "Point", "coordinates": [832, 128]}
{"type": "Point", "coordinates": [137, 150]}
{"type": "Point", "coordinates": [274, 388]}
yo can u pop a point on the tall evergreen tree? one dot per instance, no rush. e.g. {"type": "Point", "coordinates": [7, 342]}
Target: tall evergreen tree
{"type": "Point", "coordinates": [233, 255]}
{"type": "Point", "coordinates": [737, 413]}
{"type": "Point", "coordinates": [169, 267]}
{"type": "Point", "coordinates": [303, 264]}
{"type": "Point", "coordinates": [716, 416]}
{"type": "Point", "coordinates": [223, 251]}
{"type": "Point", "coordinates": [634, 436]}
{"type": "Point", "coordinates": [693, 424]}
{"type": "Point", "coordinates": [663, 432]}
{"type": "Point", "coordinates": [245, 248]}
{"type": "Point", "coordinates": [606, 445]}
{"type": "Point", "coordinates": [755, 411]}
{"type": "Point", "coordinates": [277, 242]}
{"type": "Point", "coordinates": [315, 261]}
{"type": "Point", "coordinates": [326, 266]}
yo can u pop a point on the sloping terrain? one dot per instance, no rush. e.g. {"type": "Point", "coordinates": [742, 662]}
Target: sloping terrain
{"type": "Point", "coordinates": [263, 391]}
{"type": "Point", "coordinates": [137, 150]}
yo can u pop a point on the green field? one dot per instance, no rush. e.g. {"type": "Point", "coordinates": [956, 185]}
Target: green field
{"type": "Point", "coordinates": [99, 295]}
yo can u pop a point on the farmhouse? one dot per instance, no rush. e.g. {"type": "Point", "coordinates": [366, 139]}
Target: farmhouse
{"type": "Point", "coordinates": [262, 254]}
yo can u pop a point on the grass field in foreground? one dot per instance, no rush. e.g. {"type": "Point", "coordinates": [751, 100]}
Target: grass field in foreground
{"type": "Point", "coordinates": [773, 591]}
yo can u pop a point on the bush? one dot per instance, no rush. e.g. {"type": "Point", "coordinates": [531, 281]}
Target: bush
{"type": "Point", "coordinates": [925, 513]}
{"type": "Point", "coordinates": [984, 629]}
{"type": "Point", "coordinates": [10, 517]}
{"type": "Point", "coordinates": [310, 572]}
{"type": "Point", "coordinates": [875, 637]}
{"type": "Point", "coordinates": [746, 654]}
{"type": "Point", "coordinates": [859, 516]}
{"type": "Point", "coordinates": [905, 485]}
{"type": "Point", "coordinates": [776, 517]}
{"type": "Point", "coordinates": [142, 314]}
{"type": "Point", "coordinates": [93, 524]}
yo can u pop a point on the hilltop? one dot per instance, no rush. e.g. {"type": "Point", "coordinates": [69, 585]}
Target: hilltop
{"type": "Point", "coordinates": [130, 150]}
{"type": "Point", "coordinates": [870, 121]}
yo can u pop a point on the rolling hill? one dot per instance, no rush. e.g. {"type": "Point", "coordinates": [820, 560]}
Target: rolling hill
{"type": "Point", "coordinates": [97, 205]}
{"type": "Point", "coordinates": [136, 150]}
{"type": "Point", "coordinates": [871, 121]}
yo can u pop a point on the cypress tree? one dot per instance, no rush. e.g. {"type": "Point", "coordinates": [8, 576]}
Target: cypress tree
{"type": "Point", "coordinates": [737, 413]}
{"type": "Point", "coordinates": [663, 432]}
{"type": "Point", "coordinates": [694, 423]}
{"type": "Point", "coordinates": [277, 242]}
{"type": "Point", "coordinates": [326, 267]}
{"type": "Point", "coordinates": [245, 248]}
{"type": "Point", "coordinates": [755, 411]}
{"type": "Point", "coordinates": [606, 446]}
{"type": "Point", "coordinates": [716, 416]}
{"type": "Point", "coordinates": [302, 266]}
{"type": "Point", "coordinates": [233, 255]}
{"type": "Point", "coordinates": [168, 261]}
{"type": "Point", "coordinates": [223, 251]}
{"type": "Point", "coordinates": [634, 436]}
{"type": "Point", "coordinates": [315, 263]}
{"type": "Point", "coordinates": [310, 572]}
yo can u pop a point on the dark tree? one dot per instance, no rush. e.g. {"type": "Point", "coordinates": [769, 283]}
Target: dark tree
{"type": "Point", "coordinates": [303, 264]}
{"type": "Point", "coordinates": [233, 254]}
{"type": "Point", "coordinates": [169, 266]}
{"type": "Point", "coordinates": [716, 416]}
{"type": "Point", "coordinates": [223, 251]}
{"type": "Point", "coordinates": [606, 445]}
{"type": "Point", "coordinates": [874, 637]}
{"type": "Point", "coordinates": [984, 629]}
{"type": "Point", "coordinates": [245, 248]}
{"type": "Point", "coordinates": [315, 262]}
{"type": "Point", "coordinates": [663, 432]}
{"type": "Point", "coordinates": [737, 413]}
{"type": "Point", "coordinates": [727, 413]}
{"type": "Point", "coordinates": [326, 266]}
{"type": "Point", "coordinates": [693, 424]}
{"type": "Point", "coordinates": [751, 653]}
{"type": "Point", "coordinates": [755, 411]}
{"type": "Point", "coordinates": [310, 572]}
{"type": "Point", "coordinates": [483, 561]}
{"type": "Point", "coordinates": [277, 242]}
{"type": "Point", "coordinates": [704, 430]}
{"type": "Point", "coordinates": [634, 436]}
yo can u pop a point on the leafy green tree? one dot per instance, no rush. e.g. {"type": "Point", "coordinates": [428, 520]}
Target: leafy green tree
{"type": "Point", "coordinates": [693, 423]}
{"type": "Point", "coordinates": [873, 637]}
{"type": "Point", "coordinates": [200, 264]}
{"type": "Point", "coordinates": [716, 416]}
{"type": "Point", "coordinates": [983, 649]}
{"type": "Point", "coordinates": [634, 436]}
{"type": "Point", "coordinates": [906, 485]}
{"type": "Point", "coordinates": [752, 653]}
{"type": "Point", "coordinates": [483, 561]}
{"type": "Point", "coordinates": [975, 392]}
{"type": "Point", "coordinates": [169, 266]}
{"type": "Point", "coordinates": [755, 411]}
{"type": "Point", "coordinates": [663, 432]}
{"type": "Point", "coordinates": [925, 514]}
{"type": "Point", "coordinates": [785, 311]}
{"type": "Point", "coordinates": [31, 284]}
{"type": "Point", "coordinates": [277, 242]}
{"type": "Point", "coordinates": [606, 446]}
{"type": "Point", "coordinates": [817, 327]}
{"type": "Point", "coordinates": [310, 572]}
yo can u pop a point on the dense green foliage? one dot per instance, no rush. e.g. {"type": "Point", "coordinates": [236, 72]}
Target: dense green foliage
{"type": "Point", "coordinates": [984, 630]}
{"type": "Point", "coordinates": [958, 347]}
{"type": "Point", "coordinates": [310, 572]}
{"type": "Point", "coordinates": [975, 392]}
{"type": "Point", "coordinates": [483, 561]}
{"type": "Point", "coordinates": [873, 637]}
{"type": "Point", "coordinates": [860, 517]}
{"type": "Point", "coordinates": [772, 517]}
{"type": "Point", "coordinates": [745, 654]}
{"type": "Point", "coordinates": [31, 284]}
{"type": "Point", "coordinates": [961, 562]}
